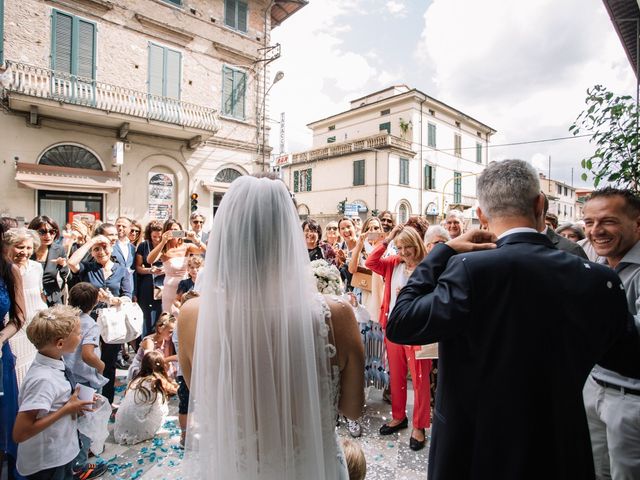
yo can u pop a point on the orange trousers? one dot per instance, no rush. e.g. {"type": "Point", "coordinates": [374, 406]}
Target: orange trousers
{"type": "Point", "coordinates": [401, 358]}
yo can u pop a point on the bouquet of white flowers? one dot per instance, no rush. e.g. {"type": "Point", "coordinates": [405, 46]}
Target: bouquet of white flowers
{"type": "Point", "coordinates": [327, 277]}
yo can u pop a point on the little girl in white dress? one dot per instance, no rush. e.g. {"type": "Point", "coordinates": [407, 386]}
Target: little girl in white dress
{"type": "Point", "coordinates": [144, 408]}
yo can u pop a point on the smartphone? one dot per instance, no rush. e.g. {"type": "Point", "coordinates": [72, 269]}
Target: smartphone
{"type": "Point", "coordinates": [373, 236]}
{"type": "Point", "coordinates": [177, 233]}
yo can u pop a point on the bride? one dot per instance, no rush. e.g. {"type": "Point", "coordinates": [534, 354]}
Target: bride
{"type": "Point", "coordinates": [273, 361]}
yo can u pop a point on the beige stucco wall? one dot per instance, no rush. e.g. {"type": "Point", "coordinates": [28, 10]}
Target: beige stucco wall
{"type": "Point", "coordinates": [122, 60]}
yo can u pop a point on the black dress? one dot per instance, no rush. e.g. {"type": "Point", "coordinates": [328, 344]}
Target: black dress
{"type": "Point", "coordinates": [144, 290]}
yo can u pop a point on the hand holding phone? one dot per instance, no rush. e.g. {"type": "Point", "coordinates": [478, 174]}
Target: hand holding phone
{"type": "Point", "coordinates": [177, 233]}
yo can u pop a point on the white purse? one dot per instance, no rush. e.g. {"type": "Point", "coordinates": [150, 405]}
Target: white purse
{"type": "Point", "coordinates": [120, 324]}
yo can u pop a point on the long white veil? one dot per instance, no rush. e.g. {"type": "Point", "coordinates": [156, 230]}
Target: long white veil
{"type": "Point", "coordinates": [259, 396]}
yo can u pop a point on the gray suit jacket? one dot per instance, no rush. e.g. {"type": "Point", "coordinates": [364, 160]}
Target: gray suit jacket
{"type": "Point", "coordinates": [565, 245]}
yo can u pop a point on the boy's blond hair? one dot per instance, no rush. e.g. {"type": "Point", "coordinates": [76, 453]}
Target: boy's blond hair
{"type": "Point", "coordinates": [195, 260]}
{"type": "Point", "coordinates": [356, 463]}
{"type": "Point", "coordinates": [52, 324]}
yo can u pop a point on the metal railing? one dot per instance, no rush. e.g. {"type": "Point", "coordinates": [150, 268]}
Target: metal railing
{"type": "Point", "coordinates": [48, 84]}
{"type": "Point", "coordinates": [378, 141]}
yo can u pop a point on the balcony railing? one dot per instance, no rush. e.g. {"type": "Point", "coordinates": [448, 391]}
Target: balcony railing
{"type": "Point", "coordinates": [376, 142]}
{"type": "Point", "coordinates": [62, 87]}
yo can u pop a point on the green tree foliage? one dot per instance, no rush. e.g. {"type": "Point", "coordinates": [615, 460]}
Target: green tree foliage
{"type": "Point", "coordinates": [612, 123]}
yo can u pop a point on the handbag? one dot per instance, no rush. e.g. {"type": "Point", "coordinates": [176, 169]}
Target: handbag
{"type": "Point", "coordinates": [134, 319]}
{"type": "Point", "coordinates": [362, 279]}
{"type": "Point", "coordinates": [120, 324]}
{"type": "Point", "coordinates": [113, 326]}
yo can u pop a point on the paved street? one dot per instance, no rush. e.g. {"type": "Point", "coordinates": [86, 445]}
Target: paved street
{"type": "Point", "coordinates": [388, 458]}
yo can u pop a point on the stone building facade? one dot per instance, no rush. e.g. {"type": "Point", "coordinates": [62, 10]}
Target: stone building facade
{"type": "Point", "coordinates": [397, 149]}
{"type": "Point", "coordinates": [113, 107]}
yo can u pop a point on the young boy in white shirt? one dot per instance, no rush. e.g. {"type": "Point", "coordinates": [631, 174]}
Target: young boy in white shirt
{"type": "Point", "coordinates": [46, 428]}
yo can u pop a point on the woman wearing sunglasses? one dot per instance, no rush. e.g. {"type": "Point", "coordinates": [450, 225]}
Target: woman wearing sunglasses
{"type": "Point", "coordinates": [52, 256]}
{"type": "Point", "coordinates": [331, 235]}
{"type": "Point", "coordinates": [135, 233]}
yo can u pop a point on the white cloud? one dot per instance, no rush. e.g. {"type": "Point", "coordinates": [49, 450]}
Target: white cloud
{"type": "Point", "coordinates": [322, 73]}
{"type": "Point", "coordinates": [523, 68]}
{"type": "Point", "coordinates": [396, 7]}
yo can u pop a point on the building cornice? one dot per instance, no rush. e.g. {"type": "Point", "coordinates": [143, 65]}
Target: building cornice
{"type": "Point", "coordinates": [176, 34]}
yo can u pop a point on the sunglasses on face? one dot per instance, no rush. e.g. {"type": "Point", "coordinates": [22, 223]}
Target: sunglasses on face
{"type": "Point", "coordinates": [332, 228]}
{"type": "Point", "coordinates": [197, 221]}
{"type": "Point", "coordinates": [44, 231]}
{"type": "Point", "coordinates": [135, 230]}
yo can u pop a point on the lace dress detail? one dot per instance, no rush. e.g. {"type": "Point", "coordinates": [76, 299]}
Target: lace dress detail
{"type": "Point", "coordinates": [21, 347]}
{"type": "Point", "coordinates": [326, 353]}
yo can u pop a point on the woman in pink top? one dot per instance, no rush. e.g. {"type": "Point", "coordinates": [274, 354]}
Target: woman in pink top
{"type": "Point", "coordinates": [174, 250]}
{"type": "Point", "coordinates": [396, 270]}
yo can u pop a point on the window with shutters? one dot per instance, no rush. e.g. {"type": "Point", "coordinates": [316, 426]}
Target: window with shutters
{"type": "Point", "coordinates": [73, 57]}
{"type": "Point", "coordinates": [386, 126]}
{"type": "Point", "coordinates": [175, 2]}
{"type": "Point", "coordinates": [478, 152]}
{"type": "Point", "coordinates": [431, 135]}
{"type": "Point", "coordinates": [164, 71]}
{"type": "Point", "coordinates": [235, 14]}
{"type": "Point", "coordinates": [302, 180]}
{"type": "Point", "coordinates": [429, 177]}
{"type": "Point", "coordinates": [331, 139]}
{"type": "Point", "coordinates": [234, 86]}
{"type": "Point", "coordinates": [457, 187]}
{"type": "Point", "coordinates": [358, 172]}
{"type": "Point", "coordinates": [457, 144]}
{"type": "Point", "coordinates": [404, 171]}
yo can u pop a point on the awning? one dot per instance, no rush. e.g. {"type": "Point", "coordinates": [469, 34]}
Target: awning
{"type": "Point", "coordinates": [46, 177]}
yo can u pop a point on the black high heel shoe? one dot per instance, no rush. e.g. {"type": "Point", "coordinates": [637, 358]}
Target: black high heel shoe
{"type": "Point", "coordinates": [388, 430]}
{"type": "Point", "coordinates": [415, 444]}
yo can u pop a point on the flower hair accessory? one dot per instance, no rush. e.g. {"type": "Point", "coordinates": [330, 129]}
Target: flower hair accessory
{"type": "Point", "coordinates": [327, 277]}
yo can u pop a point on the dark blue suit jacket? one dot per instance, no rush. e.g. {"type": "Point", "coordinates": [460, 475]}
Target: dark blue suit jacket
{"type": "Point", "coordinates": [520, 328]}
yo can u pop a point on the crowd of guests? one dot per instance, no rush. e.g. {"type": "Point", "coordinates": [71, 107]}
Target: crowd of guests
{"type": "Point", "coordinates": [53, 285]}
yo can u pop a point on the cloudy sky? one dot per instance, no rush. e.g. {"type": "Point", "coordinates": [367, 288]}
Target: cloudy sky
{"type": "Point", "coordinates": [521, 67]}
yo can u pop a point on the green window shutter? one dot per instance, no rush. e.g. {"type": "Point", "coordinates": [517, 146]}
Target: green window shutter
{"type": "Point", "coordinates": [156, 69]}
{"type": "Point", "coordinates": [309, 180]}
{"type": "Point", "coordinates": [431, 135]}
{"type": "Point", "coordinates": [358, 172]}
{"type": "Point", "coordinates": [478, 152]}
{"type": "Point", "coordinates": [62, 42]}
{"type": "Point", "coordinates": [457, 187]}
{"type": "Point", "coordinates": [230, 13]}
{"type": "Point", "coordinates": [296, 181]}
{"type": "Point", "coordinates": [404, 171]}
{"type": "Point", "coordinates": [172, 74]}
{"type": "Point", "coordinates": [86, 49]}
{"type": "Point", "coordinates": [242, 16]}
{"type": "Point", "coordinates": [227, 91]}
{"type": "Point", "coordinates": [331, 140]}
{"type": "Point", "coordinates": [429, 177]}
{"type": "Point", "coordinates": [385, 126]}
{"type": "Point", "coordinates": [240, 86]}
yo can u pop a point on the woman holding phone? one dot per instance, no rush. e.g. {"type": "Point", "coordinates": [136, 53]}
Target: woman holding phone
{"type": "Point", "coordinates": [174, 252]}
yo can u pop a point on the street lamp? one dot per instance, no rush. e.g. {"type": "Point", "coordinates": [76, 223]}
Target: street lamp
{"type": "Point", "coordinates": [279, 76]}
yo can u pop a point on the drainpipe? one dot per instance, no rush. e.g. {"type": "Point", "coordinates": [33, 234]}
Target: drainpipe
{"type": "Point", "coordinates": [421, 162]}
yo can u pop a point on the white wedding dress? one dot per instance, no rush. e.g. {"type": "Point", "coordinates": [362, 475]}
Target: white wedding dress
{"type": "Point", "coordinates": [265, 383]}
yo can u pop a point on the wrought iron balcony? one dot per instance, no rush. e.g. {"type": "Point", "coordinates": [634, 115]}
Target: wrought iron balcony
{"type": "Point", "coordinates": [372, 143]}
{"type": "Point", "coordinates": [69, 89]}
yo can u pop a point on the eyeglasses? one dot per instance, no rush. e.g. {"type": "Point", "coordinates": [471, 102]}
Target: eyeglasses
{"type": "Point", "coordinates": [44, 231]}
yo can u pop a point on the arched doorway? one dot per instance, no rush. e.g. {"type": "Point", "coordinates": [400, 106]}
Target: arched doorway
{"type": "Point", "coordinates": [221, 183]}
{"type": "Point", "coordinates": [64, 205]}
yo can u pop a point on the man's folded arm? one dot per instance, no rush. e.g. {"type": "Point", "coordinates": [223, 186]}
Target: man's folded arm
{"type": "Point", "coordinates": [433, 305]}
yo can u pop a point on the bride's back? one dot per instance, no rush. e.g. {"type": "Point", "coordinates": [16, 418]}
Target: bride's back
{"type": "Point", "coordinates": [261, 403]}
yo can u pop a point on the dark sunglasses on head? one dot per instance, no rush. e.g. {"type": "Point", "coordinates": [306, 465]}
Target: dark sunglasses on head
{"type": "Point", "coordinates": [44, 231]}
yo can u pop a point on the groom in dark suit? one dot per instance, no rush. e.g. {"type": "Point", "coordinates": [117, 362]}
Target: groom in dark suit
{"type": "Point", "coordinates": [520, 326]}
